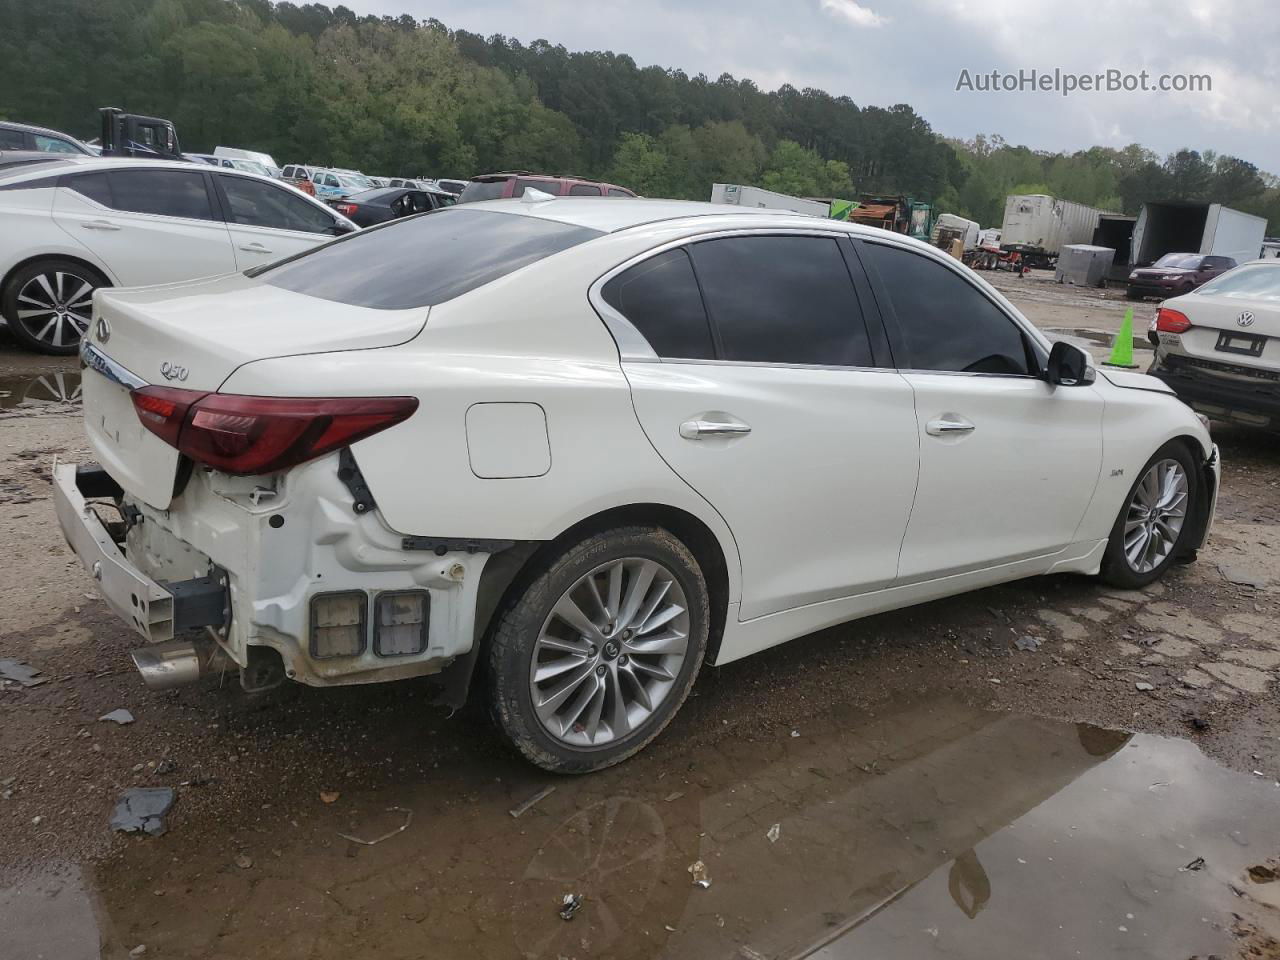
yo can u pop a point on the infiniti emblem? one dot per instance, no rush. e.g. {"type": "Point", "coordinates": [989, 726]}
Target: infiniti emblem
{"type": "Point", "coordinates": [1245, 319]}
{"type": "Point", "coordinates": [172, 371]}
{"type": "Point", "coordinates": [104, 330]}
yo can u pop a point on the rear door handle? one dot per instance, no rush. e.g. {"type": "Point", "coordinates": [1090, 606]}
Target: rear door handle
{"type": "Point", "coordinates": [254, 248]}
{"type": "Point", "coordinates": [699, 429]}
{"type": "Point", "coordinates": [99, 225]}
{"type": "Point", "coordinates": [945, 425]}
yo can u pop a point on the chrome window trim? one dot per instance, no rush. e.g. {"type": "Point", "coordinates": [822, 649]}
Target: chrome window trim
{"type": "Point", "coordinates": [94, 358]}
{"type": "Point", "coordinates": [631, 343]}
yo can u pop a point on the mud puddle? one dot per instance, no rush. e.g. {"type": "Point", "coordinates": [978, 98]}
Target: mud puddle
{"type": "Point", "coordinates": [932, 829]}
{"type": "Point", "coordinates": [39, 390]}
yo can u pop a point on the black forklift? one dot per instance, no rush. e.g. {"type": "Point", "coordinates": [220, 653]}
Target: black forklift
{"type": "Point", "coordinates": [133, 135]}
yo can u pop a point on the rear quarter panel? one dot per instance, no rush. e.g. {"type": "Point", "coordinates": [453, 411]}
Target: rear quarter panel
{"type": "Point", "coordinates": [529, 338]}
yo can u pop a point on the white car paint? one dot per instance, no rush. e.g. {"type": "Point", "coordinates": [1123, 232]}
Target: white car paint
{"type": "Point", "coordinates": [538, 411]}
{"type": "Point", "coordinates": [41, 217]}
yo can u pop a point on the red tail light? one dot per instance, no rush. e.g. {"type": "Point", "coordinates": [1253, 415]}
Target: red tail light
{"type": "Point", "coordinates": [1172, 321]}
{"type": "Point", "coordinates": [346, 209]}
{"type": "Point", "coordinates": [253, 435]}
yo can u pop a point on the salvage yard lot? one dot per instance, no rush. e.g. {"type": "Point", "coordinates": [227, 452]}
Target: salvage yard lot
{"type": "Point", "coordinates": [265, 784]}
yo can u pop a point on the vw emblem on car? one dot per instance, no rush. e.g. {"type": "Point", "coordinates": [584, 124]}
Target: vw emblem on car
{"type": "Point", "coordinates": [173, 371]}
{"type": "Point", "coordinates": [103, 330]}
{"type": "Point", "coordinates": [1245, 319]}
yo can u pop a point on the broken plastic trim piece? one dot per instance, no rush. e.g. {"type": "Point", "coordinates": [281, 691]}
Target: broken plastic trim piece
{"type": "Point", "coordinates": [408, 819]}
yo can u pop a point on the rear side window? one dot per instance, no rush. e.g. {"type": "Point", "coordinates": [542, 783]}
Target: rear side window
{"type": "Point", "coordinates": [12, 140]}
{"type": "Point", "coordinates": [782, 299]}
{"type": "Point", "coordinates": [945, 321]}
{"type": "Point", "coordinates": [95, 186]}
{"type": "Point", "coordinates": [166, 193]}
{"type": "Point", "coordinates": [478, 190]}
{"type": "Point", "coordinates": [660, 298]}
{"type": "Point", "coordinates": [423, 261]}
{"type": "Point", "coordinates": [54, 145]}
{"type": "Point", "coordinates": [546, 186]}
{"type": "Point", "coordinates": [255, 203]}
{"type": "Point", "coordinates": [584, 190]}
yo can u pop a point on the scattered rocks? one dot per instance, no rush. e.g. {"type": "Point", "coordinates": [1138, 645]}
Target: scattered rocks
{"type": "Point", "coordinates": [121, 716]}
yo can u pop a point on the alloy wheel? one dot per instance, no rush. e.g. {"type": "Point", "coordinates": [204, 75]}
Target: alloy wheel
{"type": "Point", "coordinates": [55, 306]}
{"type": "Point", "coordinates": [609, 652]}
{"type": "Point", "coordinates": [1155, 515]}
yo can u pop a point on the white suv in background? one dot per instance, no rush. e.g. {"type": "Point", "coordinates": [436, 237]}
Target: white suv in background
{"type": "Point", "coordinates": [596, 442]}
{"type": "Point", "coordinates": [72, 225]}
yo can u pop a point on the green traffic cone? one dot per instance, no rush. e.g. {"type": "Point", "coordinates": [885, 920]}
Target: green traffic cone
{"type": "Point", "coordinates": [1122, 349]}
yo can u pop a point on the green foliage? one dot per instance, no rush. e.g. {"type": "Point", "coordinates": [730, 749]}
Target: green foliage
{"type": "Point", "coordinates": [398, 96]}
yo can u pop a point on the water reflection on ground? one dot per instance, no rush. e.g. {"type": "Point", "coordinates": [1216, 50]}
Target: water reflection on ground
{"type": "Point", "coordinates": [933, 829]}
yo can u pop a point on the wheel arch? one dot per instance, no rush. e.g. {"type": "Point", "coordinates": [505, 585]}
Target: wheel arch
{"type": "Point", "coordinates": [507, 572]}
{"type": "Point", "coordinates": [80, 259]}
{"type": "Point", "coordinates": [1206, 492]}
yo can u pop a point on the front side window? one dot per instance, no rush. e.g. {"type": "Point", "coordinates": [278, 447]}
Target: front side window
{"type": "Point", "coordinates": [54, 145]}
{"type": "Point", "coordinates": [616, 192]}
{"type": "Point", "coordinates": [660, 298]}
{"type": "Point", "coordinates": [256, 203]}
{"type": "Point", "coordinates": [423, 261]}
{"type": "Point", "coordinates": [12, 140]}
{"type": "Point", "coordinates": [946, 322]}
{"type": "Point", "coordinates": [782, 299]}
{"type": "Point", "coordinates": [166, 193]}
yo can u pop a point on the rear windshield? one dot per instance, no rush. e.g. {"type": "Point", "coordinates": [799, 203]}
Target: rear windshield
{"type": "Point", "coordinates": [1260, 282]}
{"type": "Point", "coordinates": [482, 190]}
{"type": "Point", "coordinates": [422, 261]}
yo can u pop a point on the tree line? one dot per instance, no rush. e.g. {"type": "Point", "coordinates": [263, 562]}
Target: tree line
{"type": "Point", "coordinates": [399, 96]}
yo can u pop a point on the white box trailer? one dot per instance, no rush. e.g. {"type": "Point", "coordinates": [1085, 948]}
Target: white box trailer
{"type": "Point", "coordinates": [743, 196]}
{"type": "Point", "coordinates": [1191, 227]}
{"type": "Point", "coordinates": [1038, 226]}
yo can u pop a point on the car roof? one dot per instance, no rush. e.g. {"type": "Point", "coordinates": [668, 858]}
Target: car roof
{"type": "Point", "coordinates": [612, 214]}
{"type": "Point", "coordinates": [83, 163]}
{"type": "Point", "coordinates": [33, 128]}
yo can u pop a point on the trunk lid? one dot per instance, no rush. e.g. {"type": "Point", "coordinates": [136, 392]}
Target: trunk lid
{"type": "Point", "coordinates": [1232, 330]}
{"type": "Point", "coordinates": [193, 336]}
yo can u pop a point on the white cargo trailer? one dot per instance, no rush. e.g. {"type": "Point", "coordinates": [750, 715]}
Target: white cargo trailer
{"type": "Point", "coordinates": [1039, 226]}
{"type": "Point", "coordinates": [952, 225]}
{"type": "Point", "coordinates": [1189, 227]}
{"type": "Point", "coordinates": [742, 196]}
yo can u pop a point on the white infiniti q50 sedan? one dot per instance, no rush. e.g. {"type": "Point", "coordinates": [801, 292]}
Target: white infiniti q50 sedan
{"type": "Point", "coordinates": [595, 443]}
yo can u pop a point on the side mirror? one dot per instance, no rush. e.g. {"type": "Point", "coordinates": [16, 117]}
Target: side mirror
{"type": "Point", "coordinates": [1069, 366]}
{"type": "Point", "coordinates": [341, 228]}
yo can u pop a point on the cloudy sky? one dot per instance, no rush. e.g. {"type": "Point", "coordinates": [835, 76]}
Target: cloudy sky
{"type": "Point", "coordinates": [913, 51]}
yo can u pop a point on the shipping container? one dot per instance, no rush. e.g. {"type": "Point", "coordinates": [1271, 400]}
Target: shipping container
{"type": "Point", "coordinates": [1038, 226]}
{"type": "Point", "coordinates": [743, 196]}
{"type": "Point", "coordinates": [1190, 227]}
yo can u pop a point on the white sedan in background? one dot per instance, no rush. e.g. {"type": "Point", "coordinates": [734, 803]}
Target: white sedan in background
{"type": "Point", "coordinates": [72, 225]}
{"type": "Point", "coordinates": [597, 443]}
{"type": "Point", "coordinates": [1218, 347]}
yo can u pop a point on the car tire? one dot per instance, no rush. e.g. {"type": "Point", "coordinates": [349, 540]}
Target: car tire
{"type": "Point", "coordinates": [621, 692]}
{"type": "Point", "coordinates": [1120, 568]}
{"type": "Point", "coordinates": [59, 285]}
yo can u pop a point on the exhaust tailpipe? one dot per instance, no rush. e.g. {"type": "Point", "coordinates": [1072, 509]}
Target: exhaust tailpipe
{"type": "Point", "coordinates": [176, 663]}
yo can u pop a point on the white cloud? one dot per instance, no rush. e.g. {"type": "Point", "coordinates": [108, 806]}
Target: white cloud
{"type": "Point", "coordinates": [853, 12]}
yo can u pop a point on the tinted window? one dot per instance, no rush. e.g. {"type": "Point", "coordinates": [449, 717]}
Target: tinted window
{"type": "Point", "coordinates": [546, 186]}
{"type": "Point", "coordinates": [615, 192]}
{"type": "Point", "coordinates": [12, 140]}
{"type": "Point", "coordinates": [584, 190]}
{"type": "Point", "coordinates": [782, 300]}
{"type": "Point", "coordinates": [168, 193]}
{"type": "Point", "coordinates": [258, 204]}
{"type": "Point", "coordinates": [660, 297]}
{"type": "Point", "coordinates": [424, 260]}
{"type": "Point", "coordinates": [478, 190]}
{"type": "Point", "coordinates": [92, 185]}
{"type": "Point", "coordinates": [945, 321]}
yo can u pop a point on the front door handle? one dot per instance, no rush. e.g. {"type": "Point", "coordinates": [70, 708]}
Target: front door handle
{"type": "Point", "coordinates": [700, 429]}
{"type": "Point", "coordinates": [99, 225]}
{"type": "Point", "coordinates": [254, 248]}
{"type": "Point", "coordinates": [947, 425]}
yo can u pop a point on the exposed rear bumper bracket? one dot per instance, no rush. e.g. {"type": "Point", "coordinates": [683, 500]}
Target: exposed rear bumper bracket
{"type": "Point", "coordinates": [442, 545]}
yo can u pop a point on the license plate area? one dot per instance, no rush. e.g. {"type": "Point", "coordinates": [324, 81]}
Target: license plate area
{"type": "Point", "coordinates": [1245, 344]}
